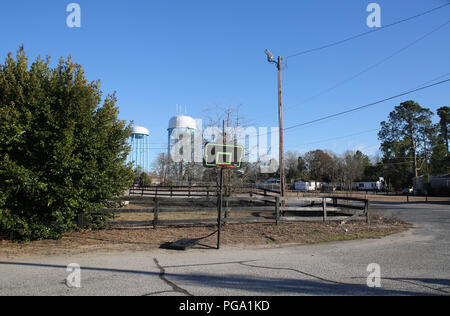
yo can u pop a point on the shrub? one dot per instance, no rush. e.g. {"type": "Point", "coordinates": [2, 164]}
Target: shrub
{"type": "Point", "coordinates": [62, 150]}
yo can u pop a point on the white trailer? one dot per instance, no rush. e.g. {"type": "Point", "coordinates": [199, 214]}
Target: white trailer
{"type": "Point", "coordinates": [366, 186]}
{"type": "Point", "coordinates": [306, 186]}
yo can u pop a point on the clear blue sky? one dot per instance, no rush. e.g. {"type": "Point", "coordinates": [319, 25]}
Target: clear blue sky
{"type": "Point", "coordinates": [201, 53]}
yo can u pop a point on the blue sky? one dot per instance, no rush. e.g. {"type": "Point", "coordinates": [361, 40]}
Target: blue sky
{"type": "Point", "coordinates": [200, 54]}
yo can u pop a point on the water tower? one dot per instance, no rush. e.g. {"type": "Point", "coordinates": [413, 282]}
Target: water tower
{"type": "Point", "coordinates": [140, 148]}
{"type": "Point", "coordinates": [184, 124]}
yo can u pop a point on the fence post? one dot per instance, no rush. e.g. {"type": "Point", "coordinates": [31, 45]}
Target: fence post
{"type": "Point", "coordinates": [155, 214]}
{"type": "Point", "coordinates": [367, 211]}
{"type": "Point", "coordinates": [171, 191]}
{"type": "Point", "coordinates": [277, 210]}
{"type": "Point", "coordinates": [227, 208]}
{"type": "Point", "coordinates": [324, 206]}
{"type": "Point", "coordinates": [189, 194]}
{"type": "Point", "coordinates": [142, 193]}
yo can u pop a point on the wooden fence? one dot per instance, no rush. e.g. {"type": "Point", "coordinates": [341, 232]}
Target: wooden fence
{"type": "Point", "coordinates": [333, 208]}
{"type": "Point", "coordinates": [267, 209]}
{"type": "Point", "coordinates": [197, 191]}
{"type": "Point", "coordinates": [174, 191]}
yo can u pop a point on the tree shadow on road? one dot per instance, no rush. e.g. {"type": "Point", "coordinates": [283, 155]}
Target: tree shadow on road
{"type": "Point", "coordinates": [254, 284]}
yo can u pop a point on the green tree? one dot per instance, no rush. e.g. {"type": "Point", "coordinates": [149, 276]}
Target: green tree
{"type": "Point", "coordinates": [302, 169]}
{"type": "Point", "coordinates": [402, 141]}
{"type": "Point", "coordinates": [440, 158]}
{"type": "Point", "coordinates": [62, 152]}
{"type": "Point", "coordinates": [145, 180]}
{"type": "Point", "coordinates": [444, 124]}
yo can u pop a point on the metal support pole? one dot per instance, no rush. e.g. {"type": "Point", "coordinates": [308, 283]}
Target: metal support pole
{"type": "Point", "coordinates": [219, 208]}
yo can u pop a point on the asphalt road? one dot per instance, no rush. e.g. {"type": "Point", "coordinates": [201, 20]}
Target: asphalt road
{"type": "Point", "coordinates": [412, 263]}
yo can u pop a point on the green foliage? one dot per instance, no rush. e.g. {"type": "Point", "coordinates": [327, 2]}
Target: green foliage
{"type": "Point", "coordinates": [444, 125]}
{"type": "Point", "coordinates": [440, 159]}
{"type": "Point", "coordinates": [62, 152]}
{"type": "Point", "coordinates": [296, 167]}
{"type": "Point", "coordinates": [407, 133]}
{"type": "Point", "coordinates": [145, 180]}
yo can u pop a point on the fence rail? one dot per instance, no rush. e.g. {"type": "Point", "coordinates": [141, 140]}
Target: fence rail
{"type": "Point", "coordinates": [199, 191]}
{"type": "Point", "coordinates": [263, 208]}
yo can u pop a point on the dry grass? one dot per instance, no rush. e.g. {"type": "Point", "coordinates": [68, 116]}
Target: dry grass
{"type": "Point", "coordinates": [240, 235]}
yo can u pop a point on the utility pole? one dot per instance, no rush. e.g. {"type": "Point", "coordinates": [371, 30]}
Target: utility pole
{"type": "Point", "coordinates": [271, 59]}
{"type": "Point", "coordinates": [280, 120]}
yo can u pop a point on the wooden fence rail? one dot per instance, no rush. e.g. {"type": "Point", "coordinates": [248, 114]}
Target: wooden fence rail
{"type": "Point", "coordinates": [267, 208]}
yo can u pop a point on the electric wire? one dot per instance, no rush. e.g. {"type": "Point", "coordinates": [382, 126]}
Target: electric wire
{"type": "Point", "coordinates": [365, 33]}
{"type": "Point", "coordinates": [373, 66]}
{"type": "Point", "coordinates": [366, 105]}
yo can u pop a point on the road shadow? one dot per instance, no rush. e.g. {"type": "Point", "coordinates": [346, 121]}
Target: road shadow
{"type": "Point", "coordinates": [260, 285]}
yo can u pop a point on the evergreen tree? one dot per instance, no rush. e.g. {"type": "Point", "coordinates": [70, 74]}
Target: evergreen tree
{"type": "Point", "coordinates": [402, 142]}
{"type": "Point", "coordinates": [440, 158]}
{"type": "Point", "coordinates": [62, 150]}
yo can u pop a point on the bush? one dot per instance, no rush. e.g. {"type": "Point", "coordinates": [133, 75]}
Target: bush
{"type": "Point", "coordinates": [145, 180]}
{"type": "Point", "coordinates": [62, 151]}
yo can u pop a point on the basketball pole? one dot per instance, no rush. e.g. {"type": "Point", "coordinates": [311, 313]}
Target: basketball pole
{"type": "Point", "coordinates": [220, 203]}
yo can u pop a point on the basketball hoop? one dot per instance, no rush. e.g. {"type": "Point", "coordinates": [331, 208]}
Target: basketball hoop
{"type": "Point", "coordinates": [222, 156]}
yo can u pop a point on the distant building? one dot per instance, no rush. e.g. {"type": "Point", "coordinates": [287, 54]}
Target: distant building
{"type": "Point", "coordinates": [139, 155]}
{"type": "Point", "coordinates": [436, 183]}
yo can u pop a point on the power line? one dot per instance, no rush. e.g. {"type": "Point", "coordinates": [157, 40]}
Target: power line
{"type": "Point", "coordinates": [437, 78]}
{"type": "Point", "coordinates": [376, 64]}
{"type": "Point", "coordinates": [365, 33]}
{"type": "Point", "coordinates": [421, 87]}
{"type": "Point", "coordinates": [339, 137]}
{"type": "Point", "coordinates": [366, 106]}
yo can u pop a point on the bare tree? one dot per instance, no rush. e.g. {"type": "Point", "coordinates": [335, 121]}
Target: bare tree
{"type": "Point", "coordinates": [227, 121]}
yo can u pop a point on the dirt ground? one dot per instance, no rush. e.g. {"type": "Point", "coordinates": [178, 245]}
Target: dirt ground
{"type": "Point", "coordinates": [234, 235]}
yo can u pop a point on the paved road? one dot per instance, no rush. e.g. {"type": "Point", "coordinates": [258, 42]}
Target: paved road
{"type": "Point", "coordinates": [412, 263]}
